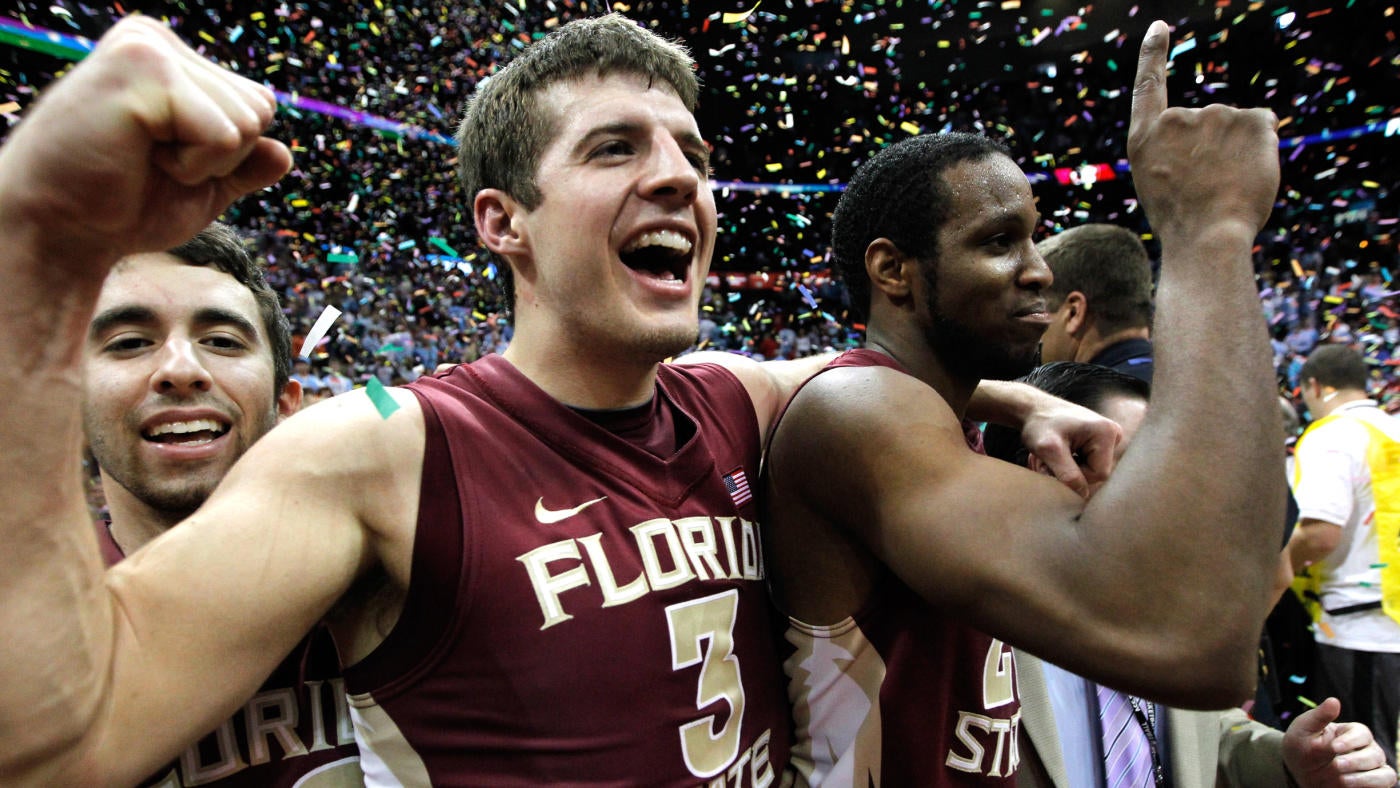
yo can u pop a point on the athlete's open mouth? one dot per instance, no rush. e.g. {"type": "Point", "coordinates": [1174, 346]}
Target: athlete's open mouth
{"type": "Point", "coordinates": [186, 433]}
{"type": "Point", "coordinates": [664, 254]}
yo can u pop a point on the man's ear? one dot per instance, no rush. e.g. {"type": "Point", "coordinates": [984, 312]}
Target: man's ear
{"type": "Point", "coordinates": [1076, 310]}
{"type": "Point", "coordinates": [289, 401]}
{"type": "Point", "coordinates": [1316, 388]}
{"type": "Point", "coordinates": [495, 214]}
{"type": "Point", "coordinates": [890, 271]}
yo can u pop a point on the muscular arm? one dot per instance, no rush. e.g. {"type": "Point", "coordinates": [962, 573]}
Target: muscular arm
{"type": "Point", "coordinates": [201, 615]}
{"type": "Point", "coordinates": [107, 676]}
{"type": "Point", "coordinates": [1076, 444]}
{"type": "Point", "coordinates": [1056, 430]}
{"type": "Point", "coordinates": [1123, 589]}
{"type": "Point", "coordinates": [186, 629]}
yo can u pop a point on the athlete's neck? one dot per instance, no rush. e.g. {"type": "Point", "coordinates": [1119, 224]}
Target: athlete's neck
{"type": "Point", "coordinates": [132, 522]}
{"type": "Point", "coordinates": [584, 379]}
{"type": "Point", "coordinates": [914, 354]}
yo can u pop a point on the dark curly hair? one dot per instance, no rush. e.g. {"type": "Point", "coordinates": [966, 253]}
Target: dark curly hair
{"type": "Point", "coordinates": [899, 194]}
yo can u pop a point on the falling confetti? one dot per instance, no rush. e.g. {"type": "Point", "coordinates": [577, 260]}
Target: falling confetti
{"type": "Point", "coordinates": [318, 331]}
{"type": "Point", "coordinates": [383, 401]}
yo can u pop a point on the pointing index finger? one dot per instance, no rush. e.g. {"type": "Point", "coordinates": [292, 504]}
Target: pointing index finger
{"type": "Point", "coordinates": [1150, 85]}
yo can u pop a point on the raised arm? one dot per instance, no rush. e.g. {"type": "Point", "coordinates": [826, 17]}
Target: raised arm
{"type": "Point", "coordinates": [200, 616]}
{"type": "Point", "coordinates": [135, 150]}
{"type": "Point", "coordinates": [1160, 583]}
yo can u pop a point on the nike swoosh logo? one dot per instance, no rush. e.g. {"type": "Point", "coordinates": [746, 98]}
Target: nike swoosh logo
{"type": "Point", "coordinates": [549, 516]}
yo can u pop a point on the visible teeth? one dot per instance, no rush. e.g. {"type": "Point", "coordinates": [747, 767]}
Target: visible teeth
{"type": "Point", "coordinates": [669, 239]}
{"type": "Point", "coordinates": [181, 427]}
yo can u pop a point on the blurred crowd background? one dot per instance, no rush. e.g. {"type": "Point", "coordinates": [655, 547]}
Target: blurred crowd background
{"type": "Point", "coordinates": [796, 94]}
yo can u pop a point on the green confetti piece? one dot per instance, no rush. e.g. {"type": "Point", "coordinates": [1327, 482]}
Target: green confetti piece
{"type": "Point", "coordinates": [1306, 702]}
{"type": "Point", "coordinates": [383, 401]}
{"type": "Point", "coordinates": [341, 257]}
{"type": "Point", "coordinates": [441, 244]}
{"type": "Point", "coordinates": [1379, 566]}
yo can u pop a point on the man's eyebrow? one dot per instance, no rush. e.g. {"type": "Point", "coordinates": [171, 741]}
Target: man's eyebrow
{"type": "Point", "coordinates": [621, 128]}
{"type": "Point", "coordinates": [696, 141]}
{"type": "Point", "coordinates": [133, 314]}
{"type": "Point", "coordinates": [627, 128]}
{"type": "Point", "coordinates": [216, 316]}
{"type": "Point", "coordinates": [1006, 217]}
{"type": "Point", "coordinates": [107, 319]}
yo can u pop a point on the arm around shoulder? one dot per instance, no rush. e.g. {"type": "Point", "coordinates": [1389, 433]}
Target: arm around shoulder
{"type": "Point", "coordinates": [770, 384]}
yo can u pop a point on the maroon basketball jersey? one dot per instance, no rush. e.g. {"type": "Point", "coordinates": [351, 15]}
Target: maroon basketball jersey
{"type": "Point", "coordinates": [295, 733]}
{"type": "Point", "coordinates": [901, 693]}
{"type": "Point", "coordinates": [580, 611]}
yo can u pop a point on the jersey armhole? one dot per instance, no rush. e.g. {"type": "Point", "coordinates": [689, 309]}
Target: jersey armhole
{"type": "Point", "coordinates": [439, 571]}
{"type": "Point", "coordinates": [718, 372]}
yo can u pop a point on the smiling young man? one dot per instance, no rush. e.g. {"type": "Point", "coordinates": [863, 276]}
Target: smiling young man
{"type": "Point", "coordinates": [540, 567]}
{"type": "Point", "coordinates": [184, 368]}
{"type": "Point", "coordinates": [895, 546]}
{"type": "Point", "coordinates": [544, 566]}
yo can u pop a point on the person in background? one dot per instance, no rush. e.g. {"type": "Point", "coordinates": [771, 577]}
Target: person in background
{"type": "Point", "coordinates": [1101, 299]}
{"type": "Point", "coordinates": [1070, 726]}
{"type": "Point", "coordinates": [184, 368]}
{"type": "Point", "coordinates": [1347, 543]}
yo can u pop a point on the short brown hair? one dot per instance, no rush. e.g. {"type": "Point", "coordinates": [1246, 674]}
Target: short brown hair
{"type": "Point", "coordinates": [504, 130]}
{"type": "Point", "coordinates": [1338, 366]}
{"type": "Point", "coordinates": [1110, 266]}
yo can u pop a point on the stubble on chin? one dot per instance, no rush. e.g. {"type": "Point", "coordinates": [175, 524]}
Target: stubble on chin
{"type": "Point", "coordinates": [661, 344]}
{"type": "Point", "coordinates": [970, 356]}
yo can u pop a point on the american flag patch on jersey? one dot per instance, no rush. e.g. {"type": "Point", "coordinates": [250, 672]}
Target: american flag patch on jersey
{"type": "Point", "coordinates": [738, 486]}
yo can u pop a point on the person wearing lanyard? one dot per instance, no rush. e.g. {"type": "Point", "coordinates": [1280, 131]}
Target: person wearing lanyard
{"type": "Point", "coordinates": [1076, 733]}
{"type": "Point", "coordinates": [1347, 481]}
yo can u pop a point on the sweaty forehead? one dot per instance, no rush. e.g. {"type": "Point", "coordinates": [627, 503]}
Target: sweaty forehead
{"type": "Point", "coordinates": [989, 185]}
{"type": "Point", "coordinates": [592, 100]}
